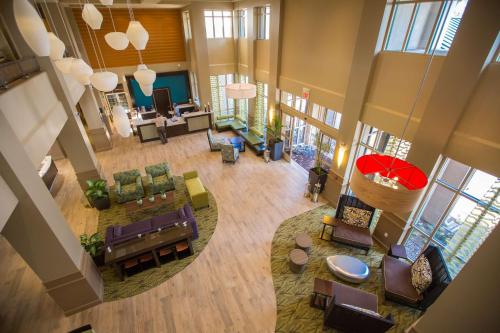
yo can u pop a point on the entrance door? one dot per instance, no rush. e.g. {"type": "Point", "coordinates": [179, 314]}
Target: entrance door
{"type": "Point", "coordinates": [286, 134]}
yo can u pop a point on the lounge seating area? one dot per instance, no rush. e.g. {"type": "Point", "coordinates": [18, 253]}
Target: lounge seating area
{"type": "Point", "coordinates": [253, 137]}
{"type": "Point", "coordinates": [230, 122]}
{"type": "Point", "coordinates": [197, 192]}
{"type": "Point", "coordinates": [160, 180]}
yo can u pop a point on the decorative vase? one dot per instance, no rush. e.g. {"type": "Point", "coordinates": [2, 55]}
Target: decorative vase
{"type": "Point", "coordinates": [139, 202]}
{"type": "Point", "coordinates": [267, 155]}
{"type": "Point", "coordinates": [151, 198]}
{"type": "Point", "coordinates": [317, 189]}
{"type": "Point", "coordinates": [163, 196]}
{"type": "Point", "coordinates": [307, 194]}
{"type": "Point", "coordinates": [315, 177]}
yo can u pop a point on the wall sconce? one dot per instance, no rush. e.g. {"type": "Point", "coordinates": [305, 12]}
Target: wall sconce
{"type": "Point", "coordinates": [271, 114]}
{"type": "Point", "coordinates": [341, 153]}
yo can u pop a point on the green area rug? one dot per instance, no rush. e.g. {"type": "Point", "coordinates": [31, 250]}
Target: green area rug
{"type": "Point", "coordinates": [293, 290]}
{"type": "Point", "coordinates": [206, 218]}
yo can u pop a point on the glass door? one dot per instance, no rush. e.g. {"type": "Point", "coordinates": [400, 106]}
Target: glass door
{"type": "Point", "coordinates": [286, 134]}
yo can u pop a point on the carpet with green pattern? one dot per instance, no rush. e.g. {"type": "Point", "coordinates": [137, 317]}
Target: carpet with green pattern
{"type": "Point", "coordinates": [293, 290]}
{"type": "Point", "coordinates": [206, 219]}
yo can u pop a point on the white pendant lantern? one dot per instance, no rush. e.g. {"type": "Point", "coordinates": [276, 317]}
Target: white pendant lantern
{"type": "Point", "coordinates": [57, 47]}
{"type": "Point", "coordinates": [92, 16]}
{"type": "Point", "coordinates": [120, 119]}
{"type": "Point", "coordinates": [137, 35]}
{"type": "Point", "coordinates": [116, 40]}
{"type": "Point", "coordinates": [144, 76]}
{"type": "Point", "coordinates": [81, 71]}
{"type": "Point", "coordinates": [64, 64]}
{"type": "Point", "coordinates": [107, 2]}
{"type": "Point", "coordinates": [32, 28]}
{"type": "Point", "coordinates": [241, 90]}
{"type": "Point", "coordinates": [104, 81]}
{"type": "Point", "coordinates": [147, 89]}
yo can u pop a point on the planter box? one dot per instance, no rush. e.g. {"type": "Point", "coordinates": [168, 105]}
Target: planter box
{"type": "Point", "coordinates": [276, 150]}
{"type": "Point", "coordinates": [102, 203]}
{"type": "Point", "coordinates": [99, 259]}
{"type": "Point", "coordinates": [314, 178]}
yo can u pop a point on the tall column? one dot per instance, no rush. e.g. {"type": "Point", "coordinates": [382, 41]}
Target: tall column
{"type": "Point", "coordinates": [251, 37]}
{"type": "Point", "coordinates": [39, 233]}
{"type": "Point", "coordinates": [62, 23]}
{"type": "Point", "coordinates": [362, 63]}
{"type": "Point", "coordinates": [274, 56]}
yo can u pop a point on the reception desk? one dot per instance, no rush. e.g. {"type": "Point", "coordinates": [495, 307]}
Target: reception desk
{"type": "Point", "coordinates": [188, 123]}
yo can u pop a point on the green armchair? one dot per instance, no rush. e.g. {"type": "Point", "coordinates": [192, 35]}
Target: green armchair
{"type": "Point", "coordinates": [128, 185]}
{"type": "Point", "coordinates": [159, 178]}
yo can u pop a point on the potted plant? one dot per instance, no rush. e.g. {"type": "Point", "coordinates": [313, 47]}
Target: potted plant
{"type": "Point", "coordinates": [317, 174]}
{"type": "Point", "coordinates": [275, 142]}
{"type": "Point", "coordinates": [93, 245]}
{"type": "Point", "coordinates": [97, 193]}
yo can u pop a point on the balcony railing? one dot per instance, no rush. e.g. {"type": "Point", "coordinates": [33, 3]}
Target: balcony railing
{"type": "Point", "coordinates": [18, 69]}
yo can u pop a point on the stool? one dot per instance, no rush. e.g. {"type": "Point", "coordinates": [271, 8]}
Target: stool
{"type": "Point", "coordinates": [303, 242]}
{"type": "Point", "coordinates": [298, 260]}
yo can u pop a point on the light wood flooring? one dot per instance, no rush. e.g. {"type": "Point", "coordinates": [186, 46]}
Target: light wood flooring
{"type": "Point", "coordinates": [228, 288]}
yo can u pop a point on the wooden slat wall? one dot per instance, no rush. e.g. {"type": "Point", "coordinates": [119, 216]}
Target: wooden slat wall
{"type": "Point", "coordinates": [166, 37]}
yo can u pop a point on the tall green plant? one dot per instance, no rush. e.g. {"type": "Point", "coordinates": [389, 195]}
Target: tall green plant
{"type": "Point", "coordinates": [320, 147]}
{"type": "Point", "coordinates": [92, 244]}
{"type": "Point", "coordinates": [275, 129]}
{"type": "Point", "coordinates": [96, 189]}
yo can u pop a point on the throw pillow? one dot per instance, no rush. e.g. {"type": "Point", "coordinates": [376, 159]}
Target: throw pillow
{"type": "Point", "coordinates": [357, 308]}
{"type": "Point", "coordinates": [356, 216]}
{"type": "Point", "coordinates": [421, 274]}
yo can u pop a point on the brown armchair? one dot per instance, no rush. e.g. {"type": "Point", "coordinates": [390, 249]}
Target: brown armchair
{"type": "Point", "coordinates": [348, 234]}
{"type": "Point", "coordinates": [355, 310]}
{"type": "Point", "coordinates": [397, 280]}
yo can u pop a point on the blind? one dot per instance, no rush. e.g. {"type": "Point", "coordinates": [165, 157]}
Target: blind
{"type": "Point", "coordinates": [261, 106]}
{"type": "Point", "coordinates": [221, 106]}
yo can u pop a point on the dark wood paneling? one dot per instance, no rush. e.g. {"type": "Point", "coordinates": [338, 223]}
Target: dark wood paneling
{"type": "Point", "coordinates": [166, 37]}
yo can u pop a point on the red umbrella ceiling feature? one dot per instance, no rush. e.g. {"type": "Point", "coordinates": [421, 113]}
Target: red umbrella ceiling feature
{"type": "Point", "coordinates": [387, 182]}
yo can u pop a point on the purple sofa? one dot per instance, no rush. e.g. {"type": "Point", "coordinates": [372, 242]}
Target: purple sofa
{"type": "Point", "coordinates": [117, 234]}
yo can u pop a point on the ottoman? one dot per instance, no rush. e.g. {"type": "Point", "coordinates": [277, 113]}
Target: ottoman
{"type": "Point", "coordinates": [298, 260]}
{"type": "Point", "coordinates": [348, 268]}
{"type": "Point", "coordinates": [303, 242]}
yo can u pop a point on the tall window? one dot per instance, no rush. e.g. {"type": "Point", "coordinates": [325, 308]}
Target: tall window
{"type": "Point", "coordinates": [327, 116]}
{"type": "Point", "coordinates": [295, 102]}
{"type": "Point", "coordinates": [286, 98]}
{"type": "Point", "coordinates": [461, 208]}
{"type": "Point", "coordinates": [263, 20]}
{"type": "Point", "coordinates": [242, 23]}
{"type": "Point", "coordinates": [261, 106]}
{"type": "Point", "coordinates": [194, 86]}
{"type": "Point", "coordinates": [218, 23]}
{"type": "Point", "coordinates": [420, 26]}
{"type": "Point", "coordinates": [242, 104]}
{"type": "Point", "coordinates": [220, 104]}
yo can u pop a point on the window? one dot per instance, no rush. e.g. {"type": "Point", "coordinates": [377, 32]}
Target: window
{"type": "Point", "coordinates": [261, 106]}
{"type": "Point", "coordinates": [419, 27]}
{"type": "Point", "coordinates": [461, 208]}
{"type": "Point", "coordinates": [287, 98]}
{"type": "Point", "coordinates": [220, 104]}
{"type": "Point", "coordinates": [242, 23]}
{"type": "Point", "coordinates": [327, 116]}
{"type": "Point", "coordinates": [295, 102]}
{"type": "Point", "coordinates": [263, 20]}
{"type": "Point", "coordinates": [218, 24]}
{"type": "Point", "coordinates": [194, 86]}
{"type": "Point", "coordinates": [242, 104]}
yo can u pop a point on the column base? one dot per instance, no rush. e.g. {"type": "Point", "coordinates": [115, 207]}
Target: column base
{"type": "Point", "coordinates": [83, 176]}
{"type": "Point", "coordinates": [78, 291]}
{"type": "Point", "coordinates": [333, 188]}
{"type": "Point", "coordinates": [100, 139]}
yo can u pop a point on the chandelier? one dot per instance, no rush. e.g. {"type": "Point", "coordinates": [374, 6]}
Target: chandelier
{"type": "Point", "coordinates": [241, 90]}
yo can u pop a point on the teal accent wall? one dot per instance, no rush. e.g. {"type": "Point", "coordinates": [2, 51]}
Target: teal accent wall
{"type": "Point", "coordinates": [177, 82]}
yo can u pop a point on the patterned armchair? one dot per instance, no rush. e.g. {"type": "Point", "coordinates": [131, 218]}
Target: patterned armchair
{"type": "Point", "coordinates": [128, 185]}
{"type": "Point", "coordinates": [215, 143]}
{"type": "Point", "coordinates": [229, 153]}
{"type": "Point", "coordinates": [159, 178]}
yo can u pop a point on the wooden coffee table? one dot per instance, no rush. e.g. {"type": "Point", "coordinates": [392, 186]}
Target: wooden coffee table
{"type": "Point", "coordinates": [132, 207]}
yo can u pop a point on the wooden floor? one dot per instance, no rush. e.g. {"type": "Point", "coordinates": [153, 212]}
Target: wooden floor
{"type": "Point", "coordinates": [228, 288]}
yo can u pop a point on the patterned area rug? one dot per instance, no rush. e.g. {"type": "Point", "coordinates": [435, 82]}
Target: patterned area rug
{"type": "Point", "coordinates": [206, 218]}
{"type": "Point", "coordinates": [293, 290]}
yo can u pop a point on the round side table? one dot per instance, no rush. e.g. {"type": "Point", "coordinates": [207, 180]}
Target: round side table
{"type": "Point", "coordinates": [298, 260]}
{"type": "Point", "coordinates": [303, 242]}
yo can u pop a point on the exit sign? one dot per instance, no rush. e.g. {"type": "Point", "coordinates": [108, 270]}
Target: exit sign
{"type": "Point", "coordinates": [305, 93]}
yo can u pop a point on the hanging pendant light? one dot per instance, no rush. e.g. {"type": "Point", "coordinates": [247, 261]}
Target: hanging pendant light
{"type": "Point", "coordinates": [81, 71]}
{"type": "Point", "coordinates": [64, 64]}
{"type": "Point", "coordinates": [147, 89]}
{"type": "Point", "coordinates": [107, 2]}
{"type": "Point", "coordinates": [116, 40]}
{"type": "Point", "coordinates": [241, 90]}
{"type": "Point", "coordinates": [387, 182]}
{"type": "Point", "coordinates": [144, 76]}
{"type": "Point", "coordinates": [32, 28]}
{"type": "Point", "coordinates": [92, 16]}
{"type": "Point", "coordinates": [104, 81]}
{"type": "Point", "coordinates": [120, 119]}
{"type": "Point", "coordinates": [137, 35]}
{"type": "Point", "coordinates": [57, 47]}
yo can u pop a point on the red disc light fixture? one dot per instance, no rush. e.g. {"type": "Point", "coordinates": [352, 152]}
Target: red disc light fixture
{"type": "Point", "coordinates": [387, 182]}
